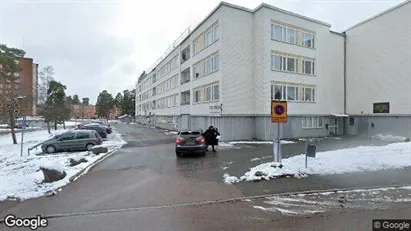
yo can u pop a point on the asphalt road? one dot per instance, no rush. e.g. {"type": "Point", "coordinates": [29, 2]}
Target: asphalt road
{"type": "Point", "coordinates": [145, 187]}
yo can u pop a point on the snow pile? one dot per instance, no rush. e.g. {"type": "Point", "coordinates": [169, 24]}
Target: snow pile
{"type": "Point", "coordinates": [390, 138]}
{"type": "Point", "coordinates": [230, 179]}
{"type": "Point", "coordinates": [364, 158]}
{"type": "Point", "coordinates": [260, 142]}
{"type": "Point", "coordinates": [52, 166]}
{"type": "Point", "coordinates": [233, 143]}
{"type": "Point", "coordinates": [22, 178]}
{"type": "Point", "coordinates": [171, 133]}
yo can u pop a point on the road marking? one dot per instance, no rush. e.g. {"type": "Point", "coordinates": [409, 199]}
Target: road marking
{"type": "Point", "coordinates": [209, 202]}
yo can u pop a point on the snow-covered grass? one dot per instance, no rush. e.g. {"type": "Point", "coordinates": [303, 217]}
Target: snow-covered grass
{"type": "Point", "coordinates": [22, 178]}
{"type": "Point", "coordinates": [390, 138]}
{"type": "Point", "coordinates": [233, 144]}
{"type": "Point", "coordinates": [363, 158]}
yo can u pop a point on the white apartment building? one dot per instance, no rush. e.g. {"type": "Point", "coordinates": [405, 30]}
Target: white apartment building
{"type": "Point", "coordinates": [226, 71]}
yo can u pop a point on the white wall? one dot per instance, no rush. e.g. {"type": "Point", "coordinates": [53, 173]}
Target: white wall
{"type": "Point", "coordinates": [379, 63]}
{"type": "Point", "coordinates": [329, 65]}
{"type": "Point", "coordinates": [237, 61]}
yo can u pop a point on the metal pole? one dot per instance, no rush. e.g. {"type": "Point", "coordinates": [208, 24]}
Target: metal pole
{"type": "Point", "coordinates": [22, 134]}
{"type": "Point", "coordinates": [278, 143]}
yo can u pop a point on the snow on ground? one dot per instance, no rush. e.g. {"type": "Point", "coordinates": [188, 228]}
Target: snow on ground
{"type": "Point", "coordinates": [233, 144]}
{"type": "Point", "coordinates": [320, 138]}
{"type": "Point", "coordinates": [21, 178]}
{"type": "Point", "coordinates": [363, 158]}
{"type": "Point", "coordinates": [390, 138]}
{"type": "Point", "coordinates": [171, 133]}
{"type": "Point", "coordinates": [321, 202]}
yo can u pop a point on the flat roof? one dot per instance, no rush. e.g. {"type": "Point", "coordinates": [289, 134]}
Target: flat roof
{"type": "Point", "coordinates": [378, 15]}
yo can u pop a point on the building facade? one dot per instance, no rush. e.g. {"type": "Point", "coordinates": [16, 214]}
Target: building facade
{"type": "Point", "coordinates": [227, 70]}
{"type": "Point", "coordinates": [378, 74]}
{"type": "Point", "coordinates": [24, 86]}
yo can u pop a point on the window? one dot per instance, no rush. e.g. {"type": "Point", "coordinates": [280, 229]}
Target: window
{"type": "Point", "coordinates": [291, 35]}
{"type": "Point", "coordinates": [69, 136]}
{"type": "Point", "coordinates": [212, 65]}
{"type": "Point", "coordinates": [278, 62]}
{"type": "Point", "coordinates": [208, 94]}
{"type": "Point", "coordinates": [308, 67]}
{"type": "Point", "coordinates": [196, 96]}
{"type": "Point", "coordinates": [196, 71]}
{"type": "Point", "coordinates": [292, 64]}
{"type": "Point", "coordinates": [185, 98]}
{"type": "Point", "coordinates": [312, 122]}
{"type": "Point", "coordinates": [196, 47]}
{"type": "Point", "coordinates": [154, 79]}
{"type": "Point", "coordinates": [284, 33]}
{"type": "Point", "coordinates": [277, 32]}
{"type": "Point", "coordinates": [292, 93]}
{"type": "Point", "coordinates": [284, 63]}
{"type": "Point", "coordinates": [308, 40]}
{"type": "Point", "coordinates": [154, 91]}
{"type": "Point", "coordinates": [82, 135]}
{"type": "Point", "coordinates": [278, 92]}
{"type": "Point", "coordinates": [216, 92]}
{"type": "Point", "coordinates": [211, 36]}
{"type": "Point", "coordinates": [308, 94]}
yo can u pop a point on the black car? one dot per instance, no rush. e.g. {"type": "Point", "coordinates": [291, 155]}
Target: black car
{"type": "Point", "coordinates": [101, 131]}
{"type": "Point", "coordinates": [190, 142]}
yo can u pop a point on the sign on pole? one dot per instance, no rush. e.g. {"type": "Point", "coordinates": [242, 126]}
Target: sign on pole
{"type": "Point", "coordinates": [279, 111]}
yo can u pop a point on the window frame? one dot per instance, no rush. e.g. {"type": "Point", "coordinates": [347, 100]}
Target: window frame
{"type": "Point", "coordinates": [315, 122]}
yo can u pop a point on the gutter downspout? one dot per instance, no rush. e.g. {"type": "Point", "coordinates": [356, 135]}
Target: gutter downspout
{"type": "Point", "coordinates": [345, 81]}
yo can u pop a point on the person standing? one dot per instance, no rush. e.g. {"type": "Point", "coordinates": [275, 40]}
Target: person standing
{"type": "Point", "coordinates": [210, 136]}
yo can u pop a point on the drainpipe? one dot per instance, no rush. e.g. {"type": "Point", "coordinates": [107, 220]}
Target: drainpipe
{"type": "Point", "coordinates": [345, 81]}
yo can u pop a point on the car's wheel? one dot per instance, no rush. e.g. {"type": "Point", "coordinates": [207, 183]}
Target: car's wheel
{"type": "Point", "coordinates": [179, 154]}
{"type": "Point", "coordinates": [89, 147]}
{"type": "Point", "coordinates": [51, 149]}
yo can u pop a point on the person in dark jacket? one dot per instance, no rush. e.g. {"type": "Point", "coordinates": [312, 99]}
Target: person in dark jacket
{"type": "Point", "coordinates": [210, 136]}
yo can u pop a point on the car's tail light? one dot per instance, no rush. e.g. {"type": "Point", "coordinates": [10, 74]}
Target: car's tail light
{"type": "Point", "coordinates": [179, 140]}
{"type": "Point", "coordinates": [201, 140]}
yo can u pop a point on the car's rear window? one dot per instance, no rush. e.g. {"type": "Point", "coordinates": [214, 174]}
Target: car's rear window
{"type": "Point", "coordinates": [190, 133]}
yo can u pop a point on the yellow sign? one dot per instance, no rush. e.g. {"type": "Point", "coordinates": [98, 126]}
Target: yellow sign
{"type": "Point", "coordinates": [279, 111]}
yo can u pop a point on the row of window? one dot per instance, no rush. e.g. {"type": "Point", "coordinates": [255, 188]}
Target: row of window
{"type": "Point", "coordinates": [312, 122]}
{"type": "Point", "coordinates": [166, 102]}
{"type": "Point", "coordinates": [170, 65]}
{"type": "Point", "coordinates": [169, 84]}
{"type": "Point", "coordinates": [292, 35]}
{"type": "Point", "coordinates": [209, 37]}
{"type": "Point", "coordinates": [293, 92]}
{"type": "Point", "coordinates": [208, 66]}
{"type": "Point", "coordinates": [292, 63]}
{"type": "Point", "coordinates": [206, 93]}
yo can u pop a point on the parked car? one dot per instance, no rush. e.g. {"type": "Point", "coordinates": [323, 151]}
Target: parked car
{"type": "Point", "coordinates": [72, 140]}
{"type": "Point", "coordinates": [107, 128]}
{"type": "Point", "coordinates": [190, 142]}
{"type": "Point", "coordinates": [100, 130]}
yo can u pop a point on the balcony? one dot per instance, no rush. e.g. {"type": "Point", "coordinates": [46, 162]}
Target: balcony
{"type": "Point", "coordinates": [185, 76]}
{"type": "Point", "coordinates": [185, 54]}
{"type": "Point", "coordinates": [185, 98]}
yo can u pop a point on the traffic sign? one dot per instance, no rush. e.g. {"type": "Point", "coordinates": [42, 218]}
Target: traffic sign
{"type": "Point", "coordinates": [279, 111]}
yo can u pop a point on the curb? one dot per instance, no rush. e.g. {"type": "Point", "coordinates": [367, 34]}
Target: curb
{"type": "Point", "coordinates": [90, 166]}
{"type": "Point", "coordinates": [206, 202]}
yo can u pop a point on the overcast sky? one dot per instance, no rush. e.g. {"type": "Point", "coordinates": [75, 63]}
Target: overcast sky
{"type": "Point", "coordinates": [97, 45]}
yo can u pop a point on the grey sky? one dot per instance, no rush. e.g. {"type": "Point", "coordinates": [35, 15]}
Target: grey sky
{"type": "Point", "coordinates": [97, 45]}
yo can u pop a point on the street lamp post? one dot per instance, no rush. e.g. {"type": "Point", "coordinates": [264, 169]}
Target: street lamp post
{"type": "Point", "coordinates": [23, 127]}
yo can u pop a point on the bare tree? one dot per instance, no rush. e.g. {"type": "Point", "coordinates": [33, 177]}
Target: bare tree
{"type": "Point", "coordinates": [45, 77]}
